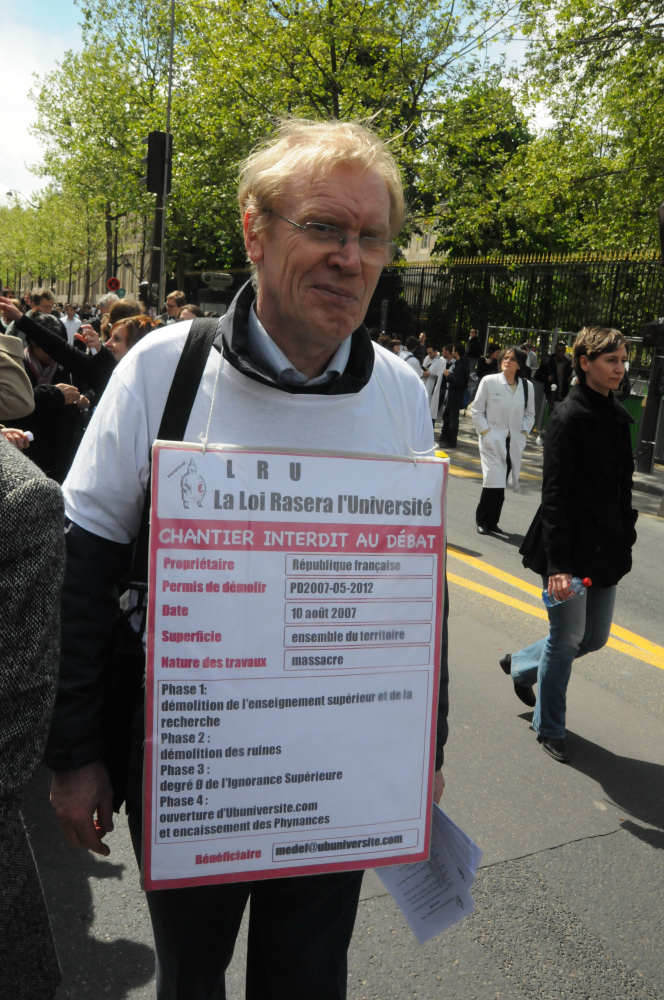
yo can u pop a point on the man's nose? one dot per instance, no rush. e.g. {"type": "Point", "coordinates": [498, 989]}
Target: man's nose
{"type": "Point", "coordinates": [347, 256]}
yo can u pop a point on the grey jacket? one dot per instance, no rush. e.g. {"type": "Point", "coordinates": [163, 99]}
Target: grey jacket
{"type": "Point", "coordinates": [31, 567]}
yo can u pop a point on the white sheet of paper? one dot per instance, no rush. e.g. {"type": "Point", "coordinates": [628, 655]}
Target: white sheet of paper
{"type": "Point", "coordinates": [435, 894]}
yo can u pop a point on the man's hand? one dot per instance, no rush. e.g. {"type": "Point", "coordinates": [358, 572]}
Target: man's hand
{"type": "Point", "coordinates": [76, 796]}
{"type": "Point", "coordinates": [83, 403]}
{"type": "Point", "coordinates": [90, 337]}
{"type": "Point", "coordinates": [559, 586]}
{"type": "Point", "coordinates": [446, 373]}
{"type": "Point", "coordinates": [9, 310]}
{"type": "Point", "coordinates": [18, 438]}
{"type": "Point", "coordinates": [438, 786]}
{"type": "Point", "coordinates": [70, 392]}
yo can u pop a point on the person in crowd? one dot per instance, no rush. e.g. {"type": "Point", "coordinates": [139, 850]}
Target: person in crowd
{"type": "Point", "coordinates": [555, 371]}
{"type": "Point", "coordinates": [104, 306]}
{"type": "Point", "coordinates": [532, 363]}
{"type": "Point", "coordinates": [126, 333]}
{"type": "Point", "coordinates": [436, 374]}
{"type": "Point", "coordinates": [420, 349]}
{"type": "Point", "coordinates": [90, 370]}
{"type": "Point", "coordinates": [473, 350]}
{"type": "Point", "coordinates": [123, 309]}
{"type": "Point", "coordinates": [407, 354]}
{"type": "Point", "coordinates": [32, 561]}
{"type": "Point", "coordinates": [16, 396]}
{"type": "Point", "coordinates": [190, 311]}
{"type": "Point", "coordinates": [386, 341]}
{"type": "Point", "coordinates": [294, 367]}
{"type": "Point", "coordinates": [503, 413]}
{"type": "Point", "coordinates": [489, 365]}
{"type": "Point", "coordinates": [174, 302]}
{"type": "Point", "coordinates": [456, 376]}
{"type": "Point", "coordinates": [429, 381]}
{"type": "Point", "coordinates": [57, 422]}
{"type": "Point", "coordinates": [71, 322]}
{"type": "Point", "coordinates": [40, 300]}
{"type": "Point", "coordinates": [585, 527]}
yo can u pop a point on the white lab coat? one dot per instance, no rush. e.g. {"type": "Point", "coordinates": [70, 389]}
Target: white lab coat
{"type": "Point", "coordinates": [429, 383]}
{"type": "Point", "coordinates": [501, 412]}
{"type": "Point", "coordinates": [436, 369]}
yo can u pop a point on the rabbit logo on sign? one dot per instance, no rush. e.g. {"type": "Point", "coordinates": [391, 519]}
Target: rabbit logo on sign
{"type": "Point", "coordinates": [192, 486]}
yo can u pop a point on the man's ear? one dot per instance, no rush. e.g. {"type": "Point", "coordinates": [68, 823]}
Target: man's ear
{"type": "Point", "coordinates": [253, 241]}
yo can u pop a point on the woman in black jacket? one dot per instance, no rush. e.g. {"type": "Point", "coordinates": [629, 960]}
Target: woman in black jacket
{"type": "Point", "coordinates": [584, 528]}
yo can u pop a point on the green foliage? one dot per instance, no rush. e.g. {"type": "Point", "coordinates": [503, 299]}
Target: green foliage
{"type": "Point", "coordinates": [240, 65]}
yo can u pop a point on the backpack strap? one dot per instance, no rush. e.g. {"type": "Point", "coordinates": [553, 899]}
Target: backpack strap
{"type": "Point", "coordinates": [174, 420]}
{"type": "Point", "coordinates": [525, 391]}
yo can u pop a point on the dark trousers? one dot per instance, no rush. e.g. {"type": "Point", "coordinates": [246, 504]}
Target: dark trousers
{"type": "Point", "coordinates": [488, 510]}
{"type": "Point", "coordinates": [450, 429]}
{"type": "Point", "coordinates": [299, 931]}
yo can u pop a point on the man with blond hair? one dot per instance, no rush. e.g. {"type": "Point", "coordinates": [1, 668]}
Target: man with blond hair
{"type": "Point", "coordinates": [294, 366]}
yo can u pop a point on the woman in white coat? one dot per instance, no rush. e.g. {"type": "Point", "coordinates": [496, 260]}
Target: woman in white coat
{"type": "Point", "coordinates": [503, 413]}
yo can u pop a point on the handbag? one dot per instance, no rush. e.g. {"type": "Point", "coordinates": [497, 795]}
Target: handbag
{"type": "Point", "coordinates": [124, 672]}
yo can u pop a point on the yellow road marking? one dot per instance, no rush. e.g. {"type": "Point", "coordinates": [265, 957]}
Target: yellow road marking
{"type": "Point", "coordinates": [456, 470]}
{"type": "Point", "coordinates": [499, 574]}
{"type": "Point", "coordinates": [512, 602]}
{"type": "Point", "coordinates": [635, 645]}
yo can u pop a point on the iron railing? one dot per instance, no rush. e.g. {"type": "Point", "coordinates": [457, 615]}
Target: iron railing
{"type": "Point", "coordinates": [446, 299]}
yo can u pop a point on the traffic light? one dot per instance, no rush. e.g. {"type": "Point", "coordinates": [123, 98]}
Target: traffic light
{"type": "Point", "coordinates": [159, 144]}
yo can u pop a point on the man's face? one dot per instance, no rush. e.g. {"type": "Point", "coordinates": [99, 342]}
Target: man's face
{"type": "Point", "coordinates": [560, 352]}
{"type": "Point", "coordinates": [172, 307]}
{"type": "Point", "coordinates": [45, 306]}
{"type": "Point", "coordinates": [447, 355]}
{"type": "Point", "coordinates": [311, 296]}
{"type": "Point", "coordinates": [70, 312]}
{"type": "Point", "coordinates": [473, 333]}
{"type": "Point", "coordinates": [431, 352]}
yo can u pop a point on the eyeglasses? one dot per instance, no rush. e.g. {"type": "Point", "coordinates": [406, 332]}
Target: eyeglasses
{"type": "Point", "coordinates": [331, 238]}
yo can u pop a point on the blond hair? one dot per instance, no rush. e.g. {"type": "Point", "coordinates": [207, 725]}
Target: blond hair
{"type": "Point", "coordinates": [300, 144]}
{"type": "Point", "coordinates": [593, 341]}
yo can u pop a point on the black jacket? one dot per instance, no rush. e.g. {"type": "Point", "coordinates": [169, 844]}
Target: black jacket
{"type": "Point", "coordinates": [486, 367]}
{"type": "Point", "coordinates": [457, 383]}
{"type": "Point", "coordinates": [585, 525]}
{"type": "Point", "coordinates": [549, 368]}
{"type": "Point", "coordinates": [474, 348]}
{"type": "Point", "coordinates": [96, 567]}
{"type": "Point", "coordinates": [92, 371]}
{"type": "Point", "coordinates": [57, 427]}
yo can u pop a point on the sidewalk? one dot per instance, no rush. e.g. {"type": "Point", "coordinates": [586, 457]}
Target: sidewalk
{"type": "Point", "coordinates": [467, 454]}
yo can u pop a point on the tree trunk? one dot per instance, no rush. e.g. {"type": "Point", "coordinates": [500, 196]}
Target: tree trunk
{"type": "Point", "coordinates": [109, 241]}
{"type": "Point", "coordinates": [71, 267]}
{"type": "Point", "coordinates": [86, 291]}
{"type": "Point", "coordinates": [179, 264]}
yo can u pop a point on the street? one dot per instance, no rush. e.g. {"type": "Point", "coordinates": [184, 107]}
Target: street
{"type": "Point", "coordinates": [568, 899]}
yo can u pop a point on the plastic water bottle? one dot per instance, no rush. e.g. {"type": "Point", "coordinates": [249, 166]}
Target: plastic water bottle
{"type": "Point", "coordinates": [577, 586]}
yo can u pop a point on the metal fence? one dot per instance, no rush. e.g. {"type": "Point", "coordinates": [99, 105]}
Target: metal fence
{"type": "Point", "coordinates": [446, 300]}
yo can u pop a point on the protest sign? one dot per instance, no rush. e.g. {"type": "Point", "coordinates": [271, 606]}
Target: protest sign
{"type": "Point", "coordinates": [294, 628]}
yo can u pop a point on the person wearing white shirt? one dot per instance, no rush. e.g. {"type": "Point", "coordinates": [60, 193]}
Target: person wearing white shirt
{"type": "Point", "coordinates": [503, 413]}
{"type": "Point", "coordinates": [431, 355]}
{"type": "Point", "coordinates": [436, 373]}
{"type": "Point", "coordinates": [71, 323]}
{"type": "Point", "coordinates": [406, 354]}
{"type": "Point", "coordinates": [292, 366]}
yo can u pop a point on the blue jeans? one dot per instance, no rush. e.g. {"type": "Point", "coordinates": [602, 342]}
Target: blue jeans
{"type": "Point", "coordinates": [578, 626]}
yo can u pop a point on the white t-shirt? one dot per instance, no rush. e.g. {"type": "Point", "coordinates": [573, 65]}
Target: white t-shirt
{"type": "Point", "coordinates": [411, 360]}
{"type": "Point", "coordinates": [72, 326]}
{"type": "Point", "coordinates": [106, 484]}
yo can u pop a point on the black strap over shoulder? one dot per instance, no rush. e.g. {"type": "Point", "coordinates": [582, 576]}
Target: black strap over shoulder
{"type": "Point", "coordinates": [174, 420]}
{"type": "Point", "coordinates": [525, 391]}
